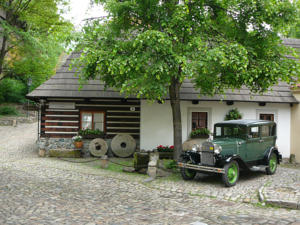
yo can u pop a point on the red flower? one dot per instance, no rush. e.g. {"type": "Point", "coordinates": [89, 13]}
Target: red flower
{"type": "Point", "coordinates": [172, 147]}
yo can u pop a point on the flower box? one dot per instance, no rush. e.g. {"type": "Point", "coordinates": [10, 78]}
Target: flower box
{"type": "Point", "coordinates": [165, 155]}
{"type": "Point", "coordinates": [203, 136]}
{"type": "Point", "coordinates": [93, 136]}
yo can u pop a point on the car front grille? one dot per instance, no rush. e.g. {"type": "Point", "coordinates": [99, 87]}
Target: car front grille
{"type": "Point", "coordinates": [207, 158]}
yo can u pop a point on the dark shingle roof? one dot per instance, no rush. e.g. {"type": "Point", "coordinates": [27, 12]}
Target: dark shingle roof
{"type": "Point", "coordinates": [65, 84]}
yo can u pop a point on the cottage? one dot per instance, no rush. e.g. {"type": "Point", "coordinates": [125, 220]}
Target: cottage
{"type": "Point", "coordinates": [65, 110]}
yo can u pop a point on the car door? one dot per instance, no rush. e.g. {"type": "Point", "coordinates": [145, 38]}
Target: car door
{"type": "Point", "coordinates": [267, 139]}
{"type": "Point", "coordinates": [253, 144]}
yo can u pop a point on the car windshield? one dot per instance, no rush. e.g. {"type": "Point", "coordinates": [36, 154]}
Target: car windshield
{"type": "Point", "coordinates": [230, 131]}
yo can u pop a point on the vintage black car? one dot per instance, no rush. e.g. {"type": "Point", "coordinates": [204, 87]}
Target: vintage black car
{"type": "Point", "coordinates": [236, 145]}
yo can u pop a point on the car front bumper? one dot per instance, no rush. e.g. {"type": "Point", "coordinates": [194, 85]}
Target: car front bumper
{"type": "Point", "coordinates": [201, 168]}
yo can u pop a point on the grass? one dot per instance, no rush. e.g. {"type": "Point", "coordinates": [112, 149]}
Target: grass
{"type": "Point", "coordinates": [116, 164]}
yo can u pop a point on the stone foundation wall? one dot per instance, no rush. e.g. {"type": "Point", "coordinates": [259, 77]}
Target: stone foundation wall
{"type": "Point", "coordinates": [13, 121]}
{"type": "Point", "coordinates": [67, 143]}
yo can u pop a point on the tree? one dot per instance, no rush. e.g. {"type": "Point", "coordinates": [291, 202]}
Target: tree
{"type": "Point", "coordinates": [27, 25]}
{"type": "Point", "coordinates": [295, 31]}
{"type": "Point", "coordinates": [148, 48]}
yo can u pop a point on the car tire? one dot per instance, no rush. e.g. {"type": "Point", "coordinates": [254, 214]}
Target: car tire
{"type": "Point", "coordinates": [187, 174]}
{"type": "Point", "coordinates": [272, 164]}
{"type": "Point", "coordinates": [231, 175]}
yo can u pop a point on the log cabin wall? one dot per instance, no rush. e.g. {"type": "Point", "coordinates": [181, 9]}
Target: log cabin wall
{"type": "Point", "coordinates": [63, 121]}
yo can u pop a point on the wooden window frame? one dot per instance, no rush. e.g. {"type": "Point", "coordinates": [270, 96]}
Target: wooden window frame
{"type": "Point", "coordinates": [206, 121]}
{"type": "Point", "coordinates": [92, 112]}
{"type": "Point", "coordinates": [265, 114]}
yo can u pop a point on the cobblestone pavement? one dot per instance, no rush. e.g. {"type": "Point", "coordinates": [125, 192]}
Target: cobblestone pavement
{"type": "Point", "coordinates": [49, 191]}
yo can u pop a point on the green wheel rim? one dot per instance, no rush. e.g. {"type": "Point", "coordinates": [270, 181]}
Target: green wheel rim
{"type": "Point", "coordinates": [273, 163]}
{"type": "Point", "coordinates": [232, 173]}
{"type": "Point", "coordinates": [189, 173]}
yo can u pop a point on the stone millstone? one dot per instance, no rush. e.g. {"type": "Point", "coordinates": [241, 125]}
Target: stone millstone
{"type": "Point", "coordinates": [98, 147]}
{"type": "Point", "coordinates": [123, 145]}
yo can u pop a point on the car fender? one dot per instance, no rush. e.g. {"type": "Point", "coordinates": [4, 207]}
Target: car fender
{"type": "Point", "coordinates": [269, 152]}
{"type": "Point", "coordinates": [237, 158]}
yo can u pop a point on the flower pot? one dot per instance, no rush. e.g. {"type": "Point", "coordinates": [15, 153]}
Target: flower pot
{"type": "Point", "coordinates": [205, 136]}
{"type": "Point", "coordinates": [78, 144]}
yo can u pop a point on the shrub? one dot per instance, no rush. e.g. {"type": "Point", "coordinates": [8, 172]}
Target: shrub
{"type": "Point", "coordinates": [200, 132]}
{"type": "Point", "coordinates": [171, 164]}
{"type": "Point", "coordinates": [90, 131]}
{"type": "Point", "coordinates": [233, 114]}
{"type": "Point", "coordinates": [12, 90]}
{"type": "Point", "coordinates": [8, 110]}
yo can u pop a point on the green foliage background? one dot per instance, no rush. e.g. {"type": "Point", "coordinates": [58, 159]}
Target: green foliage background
{"type": "Point", "coordinates": [37, 36]}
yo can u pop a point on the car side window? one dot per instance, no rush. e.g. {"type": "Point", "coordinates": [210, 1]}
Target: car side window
{"type": "Point", "coordinates": [265, 131]}
{"type": "Point", "coordinates": [254, 132]}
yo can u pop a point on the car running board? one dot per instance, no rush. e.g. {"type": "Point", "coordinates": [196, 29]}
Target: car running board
{"type": "Point", "coordinates": [258, 168]}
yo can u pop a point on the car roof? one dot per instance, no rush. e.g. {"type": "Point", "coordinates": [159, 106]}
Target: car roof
{"type": "Point", "coordinates": [246, 122]}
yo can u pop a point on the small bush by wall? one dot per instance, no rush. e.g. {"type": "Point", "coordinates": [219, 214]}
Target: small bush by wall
{"type": "Point", "coordinates": [12, 90]}
{"type": "Point", "coordinates": [8, 110]}
{"type": "Point", "coordinates": [233, 114]}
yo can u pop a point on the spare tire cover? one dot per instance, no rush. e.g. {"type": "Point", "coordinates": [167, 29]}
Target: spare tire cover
{"type": "Point", "coordinates": [98, 147]}
{"type": "Point", "coordinates": [123, 145]}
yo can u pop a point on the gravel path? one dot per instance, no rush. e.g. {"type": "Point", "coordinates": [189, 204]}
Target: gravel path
{"type": "Point", "coordinates": [49, 191]}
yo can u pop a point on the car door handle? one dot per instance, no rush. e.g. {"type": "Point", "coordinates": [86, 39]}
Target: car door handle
{"type": "Point", "coordinates": [260, 141]}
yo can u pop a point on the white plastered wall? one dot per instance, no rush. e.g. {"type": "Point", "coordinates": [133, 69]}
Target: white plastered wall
{"type": "Point", "coordinates": [157, 125]}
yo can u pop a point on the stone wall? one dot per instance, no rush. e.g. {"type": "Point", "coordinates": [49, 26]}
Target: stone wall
{"type": "Point", "coordinates": [67, 143]}
{"type": "Point", "coordinates": [13, 121]}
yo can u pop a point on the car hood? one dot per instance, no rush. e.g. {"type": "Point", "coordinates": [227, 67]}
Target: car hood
{"type": "Point", "coordinates": [227, 141]}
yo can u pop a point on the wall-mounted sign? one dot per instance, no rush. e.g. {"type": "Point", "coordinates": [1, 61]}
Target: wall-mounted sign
{"type": "Point", "coordinates": [132, 109]}
{"type": "Point", "coordinates": [61, 105]}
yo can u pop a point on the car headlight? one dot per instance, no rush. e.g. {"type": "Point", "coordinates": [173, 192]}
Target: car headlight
{"type": "Point", "coordinates": [195, 148]}
{"type": "Point", "coordinates": [217, 149]}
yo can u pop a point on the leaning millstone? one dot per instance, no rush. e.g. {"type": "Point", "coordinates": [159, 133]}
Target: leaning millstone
{"type": "Point", "coordinates": [98, 147]}
{"type": "Point", "coordinates": [123, 145]}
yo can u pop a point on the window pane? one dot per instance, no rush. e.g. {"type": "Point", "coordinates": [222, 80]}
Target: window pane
{"type": "Point", "coordinates": [199, 120]}
{"type": "Point", "coordinates": [99, 117]}
{"type": "Point", "coordinates": [265, 131]}
{"type": "Point", "coordinates": [254, 132]}
{"type": "Point", "coordinates": [86, 120]}
{"type": "Point", "coordinates": [99, 126]}
{"type": "Point", "coordinates": [218, 131]}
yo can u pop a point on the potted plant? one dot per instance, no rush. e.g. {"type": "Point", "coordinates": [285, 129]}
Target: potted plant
{"type": "Point", "coordinates": [78, 143]}
{"type": "Point", "coordinates": [233, 114]}
{"type": "Point", "coordinates": [165, 152]}
{"type": "Point", "coordinates": [91, 134]}
{"type": "Point", "coordinates": [200, 133]}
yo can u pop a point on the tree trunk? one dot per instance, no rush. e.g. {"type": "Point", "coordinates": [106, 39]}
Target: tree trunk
{"type": "Point", "coordinates": [176, 112]}
{"type": "Point", "coordinates": [2, 55]}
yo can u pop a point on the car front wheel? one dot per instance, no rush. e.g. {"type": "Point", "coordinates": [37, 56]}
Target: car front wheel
{"type": "Point", "coordinates": [187, 174]}
{"type": "Point", "coordinates": [272, 164]}
{"type": "Point", "coordinates": [231, 174]}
